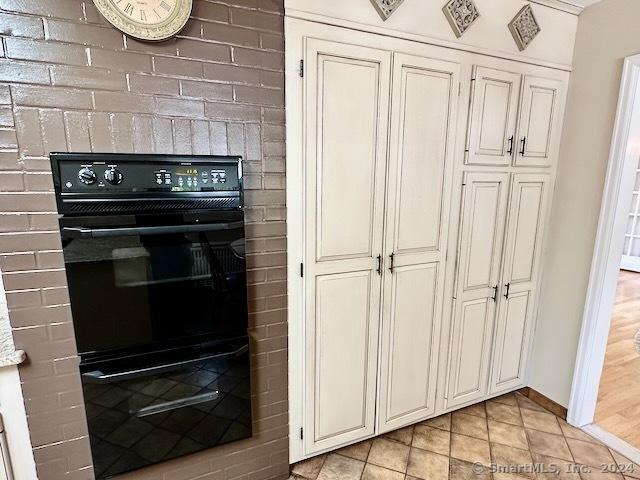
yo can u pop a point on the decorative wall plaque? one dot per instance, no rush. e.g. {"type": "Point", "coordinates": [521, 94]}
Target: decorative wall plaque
{"type": "Point", "coordinates": [386, 7]}
{"type": "Point", "coordinates": [460, 14]}
{"type": "Point", "coordinates": [524, 27]}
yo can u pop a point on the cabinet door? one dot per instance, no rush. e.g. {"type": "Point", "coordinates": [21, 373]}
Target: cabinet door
{"type": "Point", "coordinates": [347, 90]}
{"type": "Point", "coordinates": [494, 110]}
{"type": "Point", "coordinates": [478, 271]}
{"type": "Point", "coordinates": [424, 102]}
{"type": "Point", "coordinates": [526, 221]}
{"type": "Point", "coordinates": [539, 124]}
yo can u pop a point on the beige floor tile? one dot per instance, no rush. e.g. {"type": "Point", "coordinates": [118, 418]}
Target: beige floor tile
{"type": "Point", "coordinates": [503, 413]}
{"type": "Point", "coordinates": [572, 432]}
{"type": "Point", "coordinates": [402, 435]}
{"type": "Point", "coordinates": [626, 466]}
{"type": "Point", "coordinates": [586, 453]}
{"type": "Point", "coordinates": [470, 449]}
{"type": "Point", "coordinates": [373, 472]}
{"type": "Point", "coordinates": [337, 467]}
{"type": "Point", "coordinates": [389, 454]}
{"type": "Point", "coordinates": [548, 444]}
{"type": "Point", "coordinates": [555, 468]}
{"type": "Point", "coordinates": [478, 410]}
{"type": "Point", "coordinates": [469, 425]}
{"type": "Point", "coordinates": [359, 451]}
{"type": "Point", "coordinates": [514, 461]}
{"type": "Point", "coordinates": [427, 465]}
{"type": "Point", "coordinates": [443, 422]}
{"type": "Point", "coordinates": [545, 422]}
{"type": "Point", "coordinates": [432, 439]}
{"type": "Point", "coordinates": [461, 470]}
{"type": "Point", "coordinates": [309, 468]}
{"type": "Point", "coordinates": [508, 476]}
{"type": "Point", "coordinates": [507, 434]}
{"type": "Point", "coordinates": [524, 402]}
{"type": "Point", "coordinates": [507, 399]}
{"type": "Point", "coordinates": [598, 474]}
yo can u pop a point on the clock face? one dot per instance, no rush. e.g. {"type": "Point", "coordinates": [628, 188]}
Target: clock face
{"type": "Point", "coordinates": [146, 11]}
{"type": "Point", "coordinates": [146, 19]}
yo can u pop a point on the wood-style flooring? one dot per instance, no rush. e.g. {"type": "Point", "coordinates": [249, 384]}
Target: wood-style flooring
{"type": "Point", "coordinates": [618, 408]}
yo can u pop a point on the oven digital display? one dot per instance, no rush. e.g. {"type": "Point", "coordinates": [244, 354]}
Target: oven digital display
{"type": "Point", "coordinates": [187, 180]}
{"type": "Point", "coordinates": [187, 172]}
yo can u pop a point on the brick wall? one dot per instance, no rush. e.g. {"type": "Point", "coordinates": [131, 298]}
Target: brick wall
{"type": "Point", "coordinates": [69, 82]}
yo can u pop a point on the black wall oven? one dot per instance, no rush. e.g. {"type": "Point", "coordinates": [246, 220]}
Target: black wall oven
{"type": "Point", "coordinates": [154, 249]}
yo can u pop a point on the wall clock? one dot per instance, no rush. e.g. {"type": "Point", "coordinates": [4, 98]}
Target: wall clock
{"type": "Point", "coordinates": [151, 20]}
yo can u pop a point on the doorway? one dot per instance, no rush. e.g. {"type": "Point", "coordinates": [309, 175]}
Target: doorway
{"type": "Point", "coordinates": [612, 292]}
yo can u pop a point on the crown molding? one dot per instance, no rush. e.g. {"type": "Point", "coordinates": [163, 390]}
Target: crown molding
{"type": "Point", "coordinates": [562, 5]}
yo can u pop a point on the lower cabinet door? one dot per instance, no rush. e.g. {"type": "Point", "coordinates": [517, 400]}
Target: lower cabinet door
{"type": "Point", "coordinates": [424, 102]}
{"type": "Point", "coordinates": [476, 290]}
{"type": "Point", "coordinates": [528, 209]}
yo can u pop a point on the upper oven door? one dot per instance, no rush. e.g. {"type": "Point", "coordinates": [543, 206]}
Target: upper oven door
{"type": "Point", "coordinates": [155, 282]}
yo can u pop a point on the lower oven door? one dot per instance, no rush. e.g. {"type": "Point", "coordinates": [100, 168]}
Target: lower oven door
{"type": "Point", "coordinates": [155, 282]}
{"type": "Point", "coordinates": [147, 409]}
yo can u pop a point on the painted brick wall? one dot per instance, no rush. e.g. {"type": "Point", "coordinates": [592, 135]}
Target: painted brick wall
{"type": "Point", "coordinates": [69, 82]}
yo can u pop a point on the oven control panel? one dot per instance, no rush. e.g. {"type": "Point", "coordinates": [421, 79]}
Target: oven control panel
{"type": "Point", "coordinates": [82, 176]}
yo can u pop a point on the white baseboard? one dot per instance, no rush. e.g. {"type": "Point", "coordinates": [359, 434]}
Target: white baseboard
{"type": "Point", "coordinates": [613, 442]}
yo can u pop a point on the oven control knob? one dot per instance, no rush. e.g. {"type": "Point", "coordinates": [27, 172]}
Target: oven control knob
{"type": "Point", "coordinates": [87, 176]}
{"type": "Point", "coordinates": [113, 176]}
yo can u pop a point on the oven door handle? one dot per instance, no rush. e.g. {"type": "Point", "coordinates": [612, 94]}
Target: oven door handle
{"type": "Point", "coordinates": [82, 232]}
{"type": "Point", "coordinates": [97, 376]}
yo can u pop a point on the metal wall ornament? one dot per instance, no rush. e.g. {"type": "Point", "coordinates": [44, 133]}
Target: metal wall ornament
{"type": "Point", "coordinates": [461, 14]}
{"type": "Point", "coordinates": [524, 27]}
{"type": "Point", "coordinates": [385, 8]}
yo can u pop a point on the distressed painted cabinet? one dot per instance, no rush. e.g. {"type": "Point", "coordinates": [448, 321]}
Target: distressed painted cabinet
{"type": "Point", "coordinates": [424, 102]}
{"type": "Point", "coordinates": [418, 215]}
{"type": "Point", "coordinates": [347, 87]}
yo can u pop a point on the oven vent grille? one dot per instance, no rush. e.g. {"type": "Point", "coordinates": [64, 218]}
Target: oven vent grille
{"type": "Point", "coordinates": [150, 206]}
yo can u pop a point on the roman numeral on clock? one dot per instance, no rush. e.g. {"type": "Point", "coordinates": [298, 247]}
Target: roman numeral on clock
{"type": "Point", "coordinates": [166, 6]}
{"type": "Point", "coordinates": [128, 9]}
{"type": "Point", "coordinates": [143, 15]}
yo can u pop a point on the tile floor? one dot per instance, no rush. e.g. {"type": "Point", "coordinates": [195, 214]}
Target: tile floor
{"type": "Point", "coordinates": [507, 438]}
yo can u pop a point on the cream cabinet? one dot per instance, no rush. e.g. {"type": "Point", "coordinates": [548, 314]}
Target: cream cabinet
{"type": "Point", "coordinates": [514, 119]}
{"type": "Point", "coordinates": [528, 206]}
{"type": "Point", "coordinates": [482, 229]}
{"type": "Point", "coordinates": [493, 115]}
{"type": "Point", "coordinates": [347, 90]}
{"type": "Point", "coordinates": [502, 224]}
{"type": "Point", "coordinates": [539, 124]}
{"type": "Point", "coordinates": [424, 189]}
{"type": "Point", "coordinates": [512, 145]}
{"type": "Point", "coordinates": [424, 101]}
{"type": "Point", "coordinates": [376, 237]}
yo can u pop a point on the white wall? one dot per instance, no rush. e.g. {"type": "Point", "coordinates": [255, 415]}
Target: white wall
{"type": "Point", "coordinates": [607, 33]}
{"type": "Point", "coordinates": [490, 32]}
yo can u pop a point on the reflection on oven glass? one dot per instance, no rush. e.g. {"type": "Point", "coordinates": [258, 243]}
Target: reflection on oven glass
{"type": "Point", "coordinates": [147, 420]}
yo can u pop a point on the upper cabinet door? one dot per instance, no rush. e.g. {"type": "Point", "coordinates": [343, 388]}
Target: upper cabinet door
{"type": "Point", "coordinates": [484, 207]}
{"type": "Point", "coordinates": [494, 110]}
{"type": "Point", "coordinates": [528, 208]}
{"type": "Point", "coordinates": [424, 105]}
{"type": "Point", "coordinates": [346, 112]}
{"type": "Point", "coordinates": [539, 124]}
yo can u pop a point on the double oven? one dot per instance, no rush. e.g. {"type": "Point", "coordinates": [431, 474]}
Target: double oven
{"type": "Point", "coordinates": [154, 249]}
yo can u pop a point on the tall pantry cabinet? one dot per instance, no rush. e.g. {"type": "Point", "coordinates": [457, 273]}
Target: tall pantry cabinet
{"type": "Point", "coordinates": [512, 143]}
{"type": "Point", "coordinates": [424, 190]}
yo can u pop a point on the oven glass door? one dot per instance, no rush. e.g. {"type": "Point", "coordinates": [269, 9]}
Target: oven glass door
{"type": "Point", "coordinates": [160, 315]}
{"type": "Point", "coordinates": [144, 283]}
{"type": "Point", "coordinates": [164, 413]}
